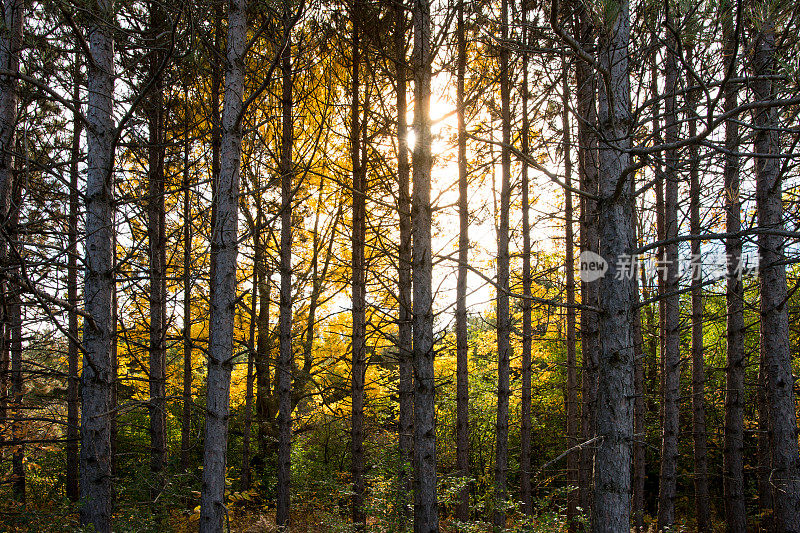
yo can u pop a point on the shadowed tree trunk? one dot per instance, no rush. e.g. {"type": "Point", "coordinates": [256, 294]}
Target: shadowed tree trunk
{"type": "Point", "coordinates": [733, 453]}
{"type": "Point", "coordinates": [701, 498]}
{"type": "Point", "coordinates": [15, 321]}
{"type": "Point", "coordinates": [569, 261]}
{"type": "Point", "coordinates": [426, 513]}
{"type": "Point", "coordinates": [248, 399]}
{"type": "Point", "coordinates": [73, 414]}
{"type": "Point", "coordinates": [157, 259]}
{"type": "Point", "coordinates": [358, 339]}
{"type": "Point", "coordinates": [588, 161]}
{"type": "Point", "coordinates": [404, 319]}
{"type": "Point", "coordinates": [616, 297]}
{"type": "Point", "coordinates": [284, 367]}
{"type": "Point", "coordinates": [224, 252]}
{"type": "Point", "coordinates": [503, 317]}
{"type": "Point", "coordinates": [186, 415]}
{"type": "Point", "coordinates": [669, 440]}
{"type": "Point", "coordinates": [784, 476]}
{"type": "Point", "coordinates": [527, 332]}
{"type": "Point", "coordinates": [97, 377]}
{"type": "Point", "coordinates": [462, 347]}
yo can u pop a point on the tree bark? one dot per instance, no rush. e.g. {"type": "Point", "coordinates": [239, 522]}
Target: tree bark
{"type": "Point", "coordinates": [569, 261]}
{"type": "Point", "coordinates": [157, 258]}
{"type": "Point", "coordinates": [503, 316]}
{"type": "Point", "coordinates": [98, 333]}
{"type": "Point", "coordinates": [284, 369]}
{"type": "Point", "coordinates": [224, 252]}
{"type": "Point", "coordinates": [733, 453]}
{"type": "Point", "coordinates": [404, 326]}
{"type": "Point", "coordinates": [246, 478]}
{"type": "Point", "coordinates": [426, 514]}
{"type": "Point", "coordinates": [186, 415]}
{"type": "Point", "coordinates": [462, 348]}
{"type": "Point", "coordinates": [588, 161]}
{"type": "Point", "coordinates": [15, 321]}
{"type": "Point", "coordinates": [616, 297]}
{"type": "Point", "coordinates": [701, 498]}
{"type": "Point", "coordinates": [785, 472]}
{"type": "Point", "coordinates": [358, 339]}
{"type": "Point", "coordinates": [670, 430]}
{"type": "Point", "coordinates": [73, 414]}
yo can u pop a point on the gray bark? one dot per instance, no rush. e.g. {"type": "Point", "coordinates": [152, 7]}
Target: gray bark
{"type": "Point", "coordinates": [701, 498]}
{"type": "Point", "coordinates": [733, 453]}
{"type": "Point", "coordinates": [785, 472]}
{"type": "Point", "coordinates": [224, 252]}
{"type": "Point", "coordinates": [97, 377]}
{"type": "Point", "coordinates": [588, 161]}
{"type": "Point", "coordinates": [671, 391]}
{"type": "Point", "coordinates": [426, 514]}
{"type": "Point", "coordinates": [503, 316]}
{"type": "Point", "coordinates": [616, 297]}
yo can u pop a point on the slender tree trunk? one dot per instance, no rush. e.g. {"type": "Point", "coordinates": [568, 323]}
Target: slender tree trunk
{"type": "Point", "coordinates": [426, 514]}
{"type": "Point", "coordinates": [358, 340]}
{"type": "Point", "coordinates": [588, 161]}
{"type": "Point", "coordinates": [158, 258]}
{"type": "Point", "coordinates": [503, 316]}
{"type": "Point", "coordinates": [785, 473]}
{"type": "Point", "coordinates": [763, 451]}
{"type": "Point", "coordinates": [639, 411]}
{"type": "Point", "coordinates": [404, 327]}
{"type": "Point", "coordinates": [669, 442]}
{"type": "Point", "coordinates": [224, 251]}
{"type": "Point", "coordinates": [462, 348]}
{"type": "Point", "coordinates": [569, 260]}
{"type": "Point", "coordinates": [248, 398]}
{"type": "Point", "coordinates": [527, 331]}
{"type": "Point", "coordinates": [264, 411]}
{"type": "Point", "coordinates": [73, 414]}
{"type": "Point", "coordinates": [616, 297]}
{"type": "Point", "coordinates": [10, 47]}
{"type": "Point", "coordinates": [733, 453]}
{"type": "Point", "coordinates": [97, 376]}
{"type": "Point", "coordinates": [186, 415]}
{"type": "Point", "coordinates": [702, 498]}
{"type": "Point", "coordinates": [284, 370]}
{"type": "Point", "coordinates": [15, 320]}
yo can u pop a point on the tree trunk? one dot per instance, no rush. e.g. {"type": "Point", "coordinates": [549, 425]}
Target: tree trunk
{"type": "Point", "coordinates": [639, 411]}
{"type": "Point", "coordinates": [186, 415]}
{"type": "Point", "coordinates": [15, 321]}
{"type": "Point", "coordinates": [785, 473]}
{"type": "Point", "coordinates": [404, 327]}
{"type": "Point", "coordinates": [701, 498]}
{"type": "Point", "coordinates": [462, 348]}
{"type": "Point", "coordinates": [358, 340]}
{"type": "Point", "coordinates": [73, 415]}
{"type": "Point", "coordinates": [569, 261]}
{"type": "Point", "coordinates": [672, 370]}
{"type": "Point", "coordinates": [98, 333]}
{"type": "Point", "coordinates": [616, 297]}
{"type": "Point", "coordinates": [284, 370]}
{"type": "Point", "coordinates": [426, 514]}
{"type": "Point", "coordinates": [224, 252]}
{"type": "Point", "coordinates": [246, 478]}
{"type": "Point", "coordinates": [503, 316]}
{"type": "Point", "coordinates": [588, 174]}
{"type": "Point", "coordinates": [733, 453]}
{"type": "Point", "coordinates": [157, 259]}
